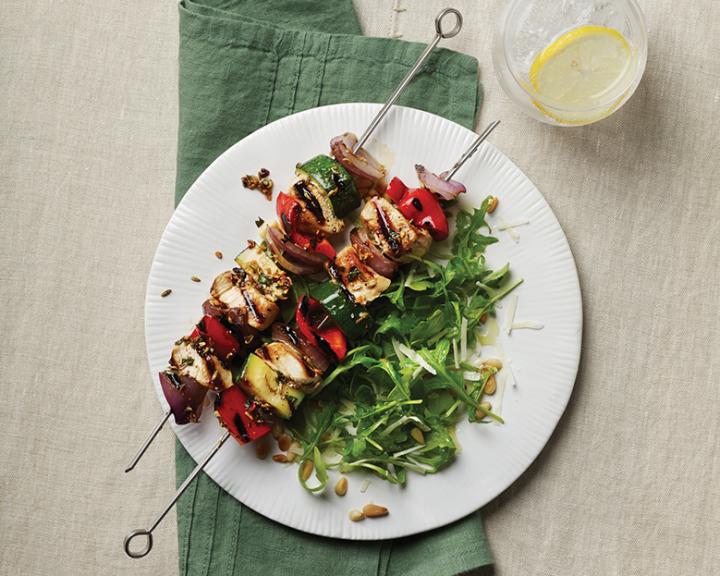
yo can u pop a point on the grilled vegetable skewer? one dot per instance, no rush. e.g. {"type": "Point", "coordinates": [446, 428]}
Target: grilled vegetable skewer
{"type": "Point", "coordinates": [359, 162]}
{"type": "Point", "coordinates": [246, 298]}
{"type": "Point", "coordinates": [271, 360]}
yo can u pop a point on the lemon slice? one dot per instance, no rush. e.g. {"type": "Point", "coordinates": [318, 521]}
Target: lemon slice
{"type": "Point", "coordinates": [579, 71]}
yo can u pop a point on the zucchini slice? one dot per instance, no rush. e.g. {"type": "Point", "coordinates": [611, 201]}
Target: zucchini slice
{"type": "Point", "coordinates": [263, 383]}
{"type": "Point", "coordinates": [332, 177]}
{"type": "Point", "coordinates": [352, 319]}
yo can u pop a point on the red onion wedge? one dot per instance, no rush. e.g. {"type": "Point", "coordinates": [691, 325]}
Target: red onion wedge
{"type": "Point", "coordinates": [184, 395]}
{"type": "Point", "coordinates": [279, 247]}
{"type": "Point", "coordinates": [297, 253]}
{"type": "Point", "coordinates": [446, 190]}
{"type": "Point", "coordinates": [360, 163]}
{"type": "Point", "coordinates": [371, 255]}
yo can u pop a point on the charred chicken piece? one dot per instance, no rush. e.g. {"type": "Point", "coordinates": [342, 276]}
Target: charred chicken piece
{"type": "Point", "coordinates": [242, 300]}
{"type": "Point", "coordinates": [274, 282]}
{"type": "Point", "coordinates": [192, 358]}
{"type": "Point", "coordinates": [391, 233]}
{"type": "Point", "coordinates": [362, 283]}
{"type": "Point", "coordinates": [287, 360]}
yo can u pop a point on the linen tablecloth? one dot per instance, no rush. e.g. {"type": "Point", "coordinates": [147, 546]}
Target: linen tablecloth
{"type": "Point", "coordinates": [629, 483]}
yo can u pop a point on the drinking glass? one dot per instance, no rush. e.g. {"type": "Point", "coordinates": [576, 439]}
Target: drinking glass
{"type": "Point", "coordinates": [570, 62]}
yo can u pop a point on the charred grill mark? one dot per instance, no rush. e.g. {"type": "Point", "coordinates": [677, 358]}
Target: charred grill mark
{"type": "Point", "coordinates": [304, 306]}
{"type": "Point", "coordinates": [241, 428]}
{"type": "Point", "coordinates": [325, 347]}
{"type": "Point", "coordinates": [174, 380]}
{"type": "Point", "coordinates": [262, 354]}
{"type": "Point", "coordinates": [292, 336]}
{"type": "Point", "coordinates": [387, 230]}
{"type": "Point", "coordinates": [310, 201]}
{"type": "Point", "coordinates": [251, 306]}
{"type": "Point", "coordinates": [335, 275]}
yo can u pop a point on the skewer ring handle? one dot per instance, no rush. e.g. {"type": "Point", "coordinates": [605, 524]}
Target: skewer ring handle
{"type": "Point", "coordinates": [144, 551]}
{"type": "Point", "coordinates": [439, 23]}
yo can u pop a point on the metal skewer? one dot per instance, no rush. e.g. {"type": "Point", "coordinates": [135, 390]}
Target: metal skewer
{"type": "Point", "coordinates": [470, 151]}
{"type": "Point", "coordinates": [147, 442]}
{"type": "Point", "coordinates": [439, 35]}
{"type": "Point", "coordinates": [184, 486]}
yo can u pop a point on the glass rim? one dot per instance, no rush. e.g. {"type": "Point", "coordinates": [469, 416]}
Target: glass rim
{"type": "Point", "coordinates": [615, 97]}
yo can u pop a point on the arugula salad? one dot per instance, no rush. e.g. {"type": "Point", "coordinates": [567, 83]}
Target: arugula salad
{"type": "Point", "coordinates": [392, 406]}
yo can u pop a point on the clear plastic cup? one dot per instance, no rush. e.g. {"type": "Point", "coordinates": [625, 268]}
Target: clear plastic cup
{"type": "Point", "coordinates": [527, 27]}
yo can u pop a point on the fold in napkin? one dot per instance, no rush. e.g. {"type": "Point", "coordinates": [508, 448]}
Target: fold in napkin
{"type": "Point", "coordinates": [244, 63]}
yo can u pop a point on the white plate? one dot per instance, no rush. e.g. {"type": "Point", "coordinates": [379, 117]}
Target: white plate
{"type": "Point", "coordinates": [219, 214]}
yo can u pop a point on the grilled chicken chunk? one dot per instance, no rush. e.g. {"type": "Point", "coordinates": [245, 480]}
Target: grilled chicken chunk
{"type": "Point", "coordinates": [191, 358]}
{"type": "Point", "coordinates": [391, 233]}
{"type": "Point", "coordinates": [243, 299]}
{"type": "Point", "coordinates": [287, 361]}
{"type": "Point", "coordinates": [318, 214]}
{"type": "Point", "coordinates": [361, 281]}
{"type": "Point", "coordinates": [274, 281]}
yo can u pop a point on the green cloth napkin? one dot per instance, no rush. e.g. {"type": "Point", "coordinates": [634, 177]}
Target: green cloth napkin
{"type": "Point", "coordinates": [244, 63]}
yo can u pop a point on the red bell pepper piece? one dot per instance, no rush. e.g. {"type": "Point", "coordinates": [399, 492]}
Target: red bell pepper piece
{"type": "Point", "coordinates": [422, 207]}
{"type": "Point", "coordinates": [316, 324]}
{"type": "Point", "coordinates": [239, 414]}
{"type": "Point", "coordinates": [288, 210]}
{"type": "Point", "coordinates": [396, 189]}
{"type": "Point", "coordinates": [220, 338]}
{"type": "Point", "coordinates": [313, 244]}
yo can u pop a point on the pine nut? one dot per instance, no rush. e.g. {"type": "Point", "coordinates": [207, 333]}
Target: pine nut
{"type": "Point", "coordinates": [262, 449]}
{"type": "Point", "coordinates": [374, 511]}
{"type": "Point", "coordinates": [341, 486]}
{"type": "Point", "coordinates": [355, 515]}
{"type": "Point", "coordinates": [306, 469]}
{"type": "Point", "coordinates": [493, 363]}
{"type": "Point", "coordinates": [479, 413]}
{"type": "Point", "coordinates": [491, 385]}
{"type": "Point", "coordinates": [277, 429]}
{"type": "Point", "coordinates": [417, 435]}
{"type": "Point", "coordinates": [280, 458]}
{"type": "Point", "coordinates": [492, 204]}
{"type": "Point", "coordinates": [284, 442]}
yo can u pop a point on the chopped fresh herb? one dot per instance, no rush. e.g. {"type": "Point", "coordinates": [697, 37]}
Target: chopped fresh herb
{"type": "Point", "coordinates": [353, 274]}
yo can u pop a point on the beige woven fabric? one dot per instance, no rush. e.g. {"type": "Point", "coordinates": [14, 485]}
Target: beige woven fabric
{"type": "Point", "coordinates": [630, 482]}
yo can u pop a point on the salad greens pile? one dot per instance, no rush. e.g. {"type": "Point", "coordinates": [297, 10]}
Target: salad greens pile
{"type": "Point", "coordinates": [393, 404]}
